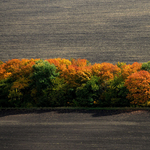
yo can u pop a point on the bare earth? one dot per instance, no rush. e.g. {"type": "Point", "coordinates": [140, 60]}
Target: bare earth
{"type": "Point", "coordinates": [74, 130]}
{"type": "Point", "coordinates": [97, 30]}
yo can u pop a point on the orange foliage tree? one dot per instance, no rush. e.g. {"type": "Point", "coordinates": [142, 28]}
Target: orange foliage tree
{"type": "Point", "coordinates": [77, 73]}
{"type": "Point", "coordinates": [61, 64]}
{"type": "Point", "coordinates": [138, 85]}
{"type": "Point", "coordinates": [105, 70]}
{"type": "Point", "coordinates": [16, 68]}
{"type": "Point", "coordinates": [80, 62]}
{"type": "Point", "coordinates": [19, 72]}
{"type": "Point", "coordinates": [129, 69]}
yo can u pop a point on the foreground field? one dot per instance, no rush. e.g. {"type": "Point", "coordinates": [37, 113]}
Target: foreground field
{"type": "Point", "coordinates": [99, 31]}
{"type": "Point", "coordinates": [74, 129]}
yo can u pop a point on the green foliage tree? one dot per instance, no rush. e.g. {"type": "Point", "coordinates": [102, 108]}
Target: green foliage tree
{"type": "Point", "coordinates": [146, 66]}
{"type": "Point", "coordinates": [13, 97]}
{"type": "Point", "coordinates": [115, 95]}
{"type": "Point", "coordinates": [88, 92]}
{"type": "Point", "coordinates": [5, 85]}
{"type": "Point", "coordinates": [121, 64]}
{"type": "Point", "coordinates": [1, 62]}
{"type": "Point", "coordinates": [57, 95]}
{"type": "Point", "coordinates": [42, 78]}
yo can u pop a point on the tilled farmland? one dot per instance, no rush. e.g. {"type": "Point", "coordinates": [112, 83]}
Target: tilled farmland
{"type": "Point", "coordinates": [99, 30]}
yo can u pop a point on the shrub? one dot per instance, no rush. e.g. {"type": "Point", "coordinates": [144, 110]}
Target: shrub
{"type": "Point", "coordinates": [138, 85]}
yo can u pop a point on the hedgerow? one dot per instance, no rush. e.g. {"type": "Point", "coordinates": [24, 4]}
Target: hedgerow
{"type": "Point", "coordinates": [62, 82]}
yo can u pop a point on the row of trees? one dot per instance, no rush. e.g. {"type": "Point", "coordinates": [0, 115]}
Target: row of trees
{"type": "Point", "coordinates": [75, 82]}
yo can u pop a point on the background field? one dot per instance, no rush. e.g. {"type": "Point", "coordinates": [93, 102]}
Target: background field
{"type": "Point", "coordinates": [97, 30]}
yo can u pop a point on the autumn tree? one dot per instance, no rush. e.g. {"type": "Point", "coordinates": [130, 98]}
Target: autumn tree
{"type": "Point", "coordinates": [77, 73]}
{"type": "Point", "coordinates": [105, 70]}
{"type": "Point", "coordinates": [129, 69]}
{"type": "Point", "coordinates": [138, 84]}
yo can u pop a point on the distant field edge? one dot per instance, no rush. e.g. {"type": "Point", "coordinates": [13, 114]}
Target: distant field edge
{"type": "Point", "coordinates": [79, 108]}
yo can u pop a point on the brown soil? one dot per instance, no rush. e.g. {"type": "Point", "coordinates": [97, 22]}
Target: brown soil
{"type": "Point", "coordinates": [99, 31]}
